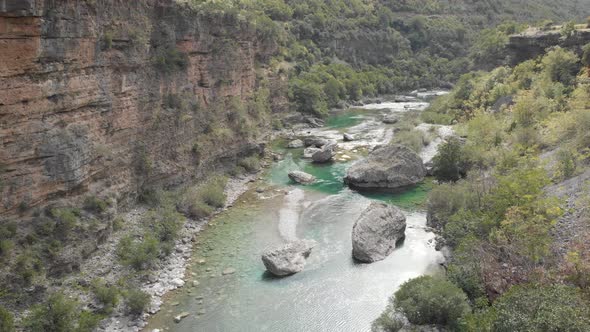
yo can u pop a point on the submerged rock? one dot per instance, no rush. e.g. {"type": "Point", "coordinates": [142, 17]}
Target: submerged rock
{"type": "Point", "coordinates": [288, 259]}
{"type": "Point", "coordinates": [389, 167]}
{"type": "Point", "coordinates": [376, 232]}
{"type": "Point", "coordinates": [182, 315]}
{"type": "Point", "coordinates": [301, 177]}
{"type": "Point", "coordinates": [348, 137]}
{"type": "Point", "coordinates": [390, 119]}
{"type": "Point", "coordinates": [295, 144]}
{"type": "Point", "coordinates": [325, 154]}
{"type": "Point", "coordinates": [229, 270]}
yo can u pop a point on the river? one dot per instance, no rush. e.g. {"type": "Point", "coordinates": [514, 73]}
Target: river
{"type": "Point", "coordinates": [333, 293]}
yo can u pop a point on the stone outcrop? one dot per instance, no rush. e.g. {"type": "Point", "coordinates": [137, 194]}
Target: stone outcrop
{"type": "Point", "coordinates": [388, 168]}
{"type": "Point", "coordinates": [534, 42]}
{"type": "Point", "coordinates": [301, 177]}
{"type": "Point", "coordinates": [376, 232]}
{"type": "Point", "coordinates": [325, 154]}
{"type": "Point", "coordinates": [288, 259]}
{"type": "Point", "coordinates": [114, 96]}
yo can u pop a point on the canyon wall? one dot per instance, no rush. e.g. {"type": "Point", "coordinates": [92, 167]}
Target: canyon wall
{"type": "Point", "coordinates": [113, 96]}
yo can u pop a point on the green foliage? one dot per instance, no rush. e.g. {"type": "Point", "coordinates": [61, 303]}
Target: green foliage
{"type": "Point", "coordinates": [118, 223]}
{"type": "Point", "coordinates": [568, 29]}
{"type": "Point", "coordinates": [250, 164]}
{"type": "Point", "coordinates": [65, 220]}
{"type": "Point", "coordinates": [95, 204]}
{"type": "Point", "coordinates": [489, 48]}
{"type": "Point", "coordinates": [7, 233]}
{"type": "Point", "coordinates": [386, 322]}
{"type": "Point", "coordinates": [541, 308]}
{"type": "Point", "coordinates": [431, 300]}
{"type": "Point", "coordinates": [107, 296]}
{"type": "Point", "coordinates": [6, 320]}
{"type": "Point", "coordinates": [586, 55]}
{"type": "Point", "coordinates": [57, 314]}
{"type": "Point", "coordinates": [566, 164]}
{"type": "Point", "coordinates": [561, 66]}
{"type": "Point", "coordinates": [212, 192]}
{"type": "Point", "coordinates": [449, 164]}
{"type": "Point", "coordinates": [414, 139]}
{"type": "Point", "coordinates": [136, 301]}
{"type": "Point", "coordinates": [171, 60]}
{"type": "Point", "coordinates": [27, 266]}
{"type": "Point", "coordinates": [138, 253]}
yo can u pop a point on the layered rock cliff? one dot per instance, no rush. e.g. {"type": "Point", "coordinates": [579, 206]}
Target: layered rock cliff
{"type": "Point", "coordinates": [534, 42]}
{"type": "Point", "coordinates": [113, 96]}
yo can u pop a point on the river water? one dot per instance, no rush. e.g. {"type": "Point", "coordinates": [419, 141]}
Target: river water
{"type": "Point", "coordinates": [333, 293]}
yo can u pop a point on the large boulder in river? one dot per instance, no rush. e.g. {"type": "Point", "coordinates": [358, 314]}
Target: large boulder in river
{"type": "Point", "coordinates": [295, 144]}
{"type": "Point", "coordinates": [308, 152]}
{"type": "Point", "coordinates": [288, 259]}
{"type": "Point", "coordinates": [376, 232]}
{"type": "Point", "coordinates": [388, 168]}
{"type": "Point", "coordinates": [317, 142]}
{"type": "Point", "coordinates": [325, 154]}
{"type": "Point", "coordinates": [301, 177]}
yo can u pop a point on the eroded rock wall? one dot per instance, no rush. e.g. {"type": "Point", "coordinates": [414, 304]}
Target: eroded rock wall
{"type": "Point", "coordinates": [108, 96]}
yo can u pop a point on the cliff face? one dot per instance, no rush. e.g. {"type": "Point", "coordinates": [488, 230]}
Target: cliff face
{"type": "Point", "coordinates": [111, 96]}
{"type": "Point", "coordinates": [534, 42]}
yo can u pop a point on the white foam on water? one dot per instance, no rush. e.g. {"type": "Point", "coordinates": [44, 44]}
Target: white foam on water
{"type": "Point", "coordinates": [289, 214]}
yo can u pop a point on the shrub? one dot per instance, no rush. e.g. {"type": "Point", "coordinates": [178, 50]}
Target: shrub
{"type": "Point", "coordinates": [57, 314]}
{"type": "Point", "coordinates": [164, 223]}
{"type": "Point", "coordinates": [586, 55]}
{"type": "Point", "coordinates": [171, 60]}
{"type": "Point", "coordinates": [136, 301]}
{"type": "Point", "coordinates": [138, 254]}
{"type": "Point", "coordinates": [542, 308]}
{"type": "Point", "coordinates": [27, 266]}
{"type": "Point", "coordinates": [88, 321]}
{"type": "Point", "coordinates": [414, 139]}
{"type": "Point", "coordinates": [95, 204]}
{"type": "Point", "coordinates": [6, 320]}
{"type": "Point", "coordinates": [212, 192]}
{"type": "Point", "coordinates": [250, 164]}
{"type": "Point", "coordinates": [431, 300]}
{"type": "Point", "coordinates": [561, 66]}
{"type": "Point", "coordinates": [566, 164]}
{"type": "Point", "coordinates": [449, 165]}
{"type": "Point", "coordinates": [118, 223]}
{"type": "Point", "coordinates": [419, 300]}
{"type": "Point", "coordinates": [199, 209]}
{"type": "Point", "coordinates": [107, 296]}
{"type": "Point", "coordinates": [65, 220]}
{"type": "Point", "coordinates": [386, 322]}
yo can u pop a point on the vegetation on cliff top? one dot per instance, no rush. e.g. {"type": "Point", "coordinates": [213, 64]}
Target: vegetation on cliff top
{"type": "Point", "coordinates": [513, 254]}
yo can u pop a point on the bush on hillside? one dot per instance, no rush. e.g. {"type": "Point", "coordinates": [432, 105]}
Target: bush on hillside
{"type": "Point", "coordinates": [450, 164]}
{"type": "Point", "coordinates": [6, 320]}
{"type": "Point", "coordinates": [136, 301]}
{"type": "Point", "coordinates": [57, 314]}
{"type": "Point", "coordinates": [541, 308]}
{"type": "Point", "coordinates": [430, 300]}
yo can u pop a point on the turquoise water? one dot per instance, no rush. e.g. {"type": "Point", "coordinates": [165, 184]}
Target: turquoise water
{"type": "Point", "coordinates": [333, 293]}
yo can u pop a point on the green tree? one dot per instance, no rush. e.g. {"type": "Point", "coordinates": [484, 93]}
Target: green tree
{"type": "Point", "coordinates": [449, 165]}
{"type": "Point", "coordinates": [57, 314]}
{"type": "Point", "coordinates": [561, 66]}
{"type": "Point", "coordinates": [586, 55]}
{"type": "Point", "coordinates": [6, 320]}
{"type": "Point", "coordinates": [431, 300]}
{"type": "Point", "coordinates": [541, 308]}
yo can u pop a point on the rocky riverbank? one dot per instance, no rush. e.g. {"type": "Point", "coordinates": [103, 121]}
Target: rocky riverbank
{"type": "Point", "coordinates": [169, 273]}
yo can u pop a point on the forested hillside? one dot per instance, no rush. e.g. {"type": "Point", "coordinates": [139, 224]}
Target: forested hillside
{"type": "Point", "coordinates": [344, 50]}
{"type": "Point", "coordinates": [512, 202]}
